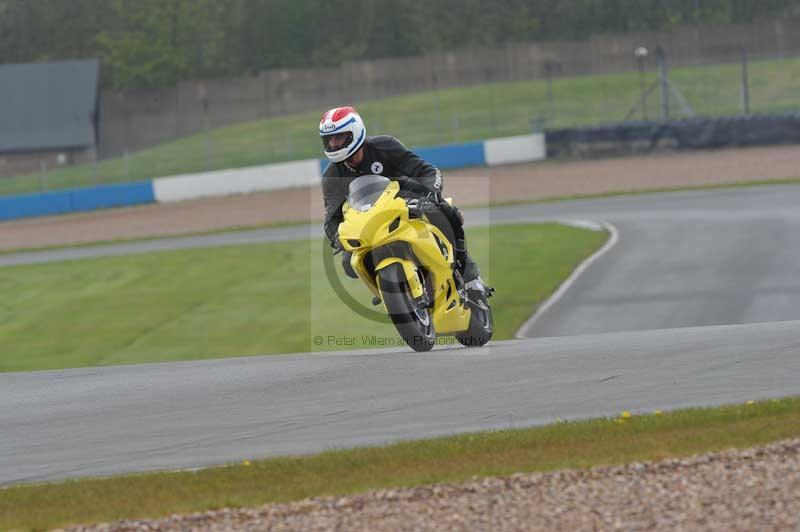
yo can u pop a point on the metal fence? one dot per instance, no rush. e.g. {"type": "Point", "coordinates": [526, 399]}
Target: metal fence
{"type": "Point", "coordinates": [652, 88]}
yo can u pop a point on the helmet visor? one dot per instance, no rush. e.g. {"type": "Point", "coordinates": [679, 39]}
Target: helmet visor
{"type": "Point", "coordinates": [337, 141]}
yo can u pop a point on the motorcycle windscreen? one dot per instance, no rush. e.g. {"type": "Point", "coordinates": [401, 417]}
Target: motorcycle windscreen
{"type": "Point", "coordinates": [364, 191]}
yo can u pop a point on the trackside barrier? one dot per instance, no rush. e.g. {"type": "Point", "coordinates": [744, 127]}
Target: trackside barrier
{"type": "Point", "coordinates": [76, 200]}
{"type": "Point", "coordinates": [454, 155]}
{"type": "Point", "coordinates": [278, 176]}
{"type": "Point", "coordinates": [446, 156]}
{"type": "Point", "coordinates": [491, 152]}
{"type": "Point", "coordinates": [237, 181]}
{"type": "Point", "coordinates": [519, 149]}
{"type": "Point", "coordinates": [45, 204]}
{"type": "Point", "coordinates": [700, 133]}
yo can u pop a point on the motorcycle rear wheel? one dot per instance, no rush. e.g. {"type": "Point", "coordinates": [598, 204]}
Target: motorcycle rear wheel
{"type": "Point", "coordinates": [414, 325]}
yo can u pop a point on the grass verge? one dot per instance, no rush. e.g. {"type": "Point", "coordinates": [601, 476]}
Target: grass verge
{"type": "Point", "coordinates": [221, 302]}
{"type": "Point", "coordinates": [437, 117]}
{"type": "Point", "coordinates": [577, 444]}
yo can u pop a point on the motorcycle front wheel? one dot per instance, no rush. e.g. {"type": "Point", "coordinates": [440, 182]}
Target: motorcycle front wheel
{"type": "Point", "coordinates": [481, 325]}
{"type": "Point", "coordinates": [414, 325]}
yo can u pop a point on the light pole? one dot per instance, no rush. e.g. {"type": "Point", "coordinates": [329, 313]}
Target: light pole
{"type": "Point", "coordinates": [640, 54]}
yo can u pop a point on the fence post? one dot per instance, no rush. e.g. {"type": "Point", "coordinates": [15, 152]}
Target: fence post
{"type": "Point", "coordinates": [43, 176]}
{"type": "Point", "coordinates": [548, 72]}
{"type": "Point", "coordinates": [745, 84]}
{"type": "Point", "coordinates": [207, 134]}
{"type": "Point", "coordinates": [437, 98]}
{"type": "Point", "coordinates": [551, 68]}
{"type": "Point", "coordinates": [202, 95]}
{"type": "Point", "coordinates": [664, 81]}
{"type": "Point", "coordinates": [490, 85]}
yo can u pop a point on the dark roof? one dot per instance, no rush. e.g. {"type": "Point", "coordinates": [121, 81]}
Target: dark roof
{"type": "Point", "coordinates": [48, 105]}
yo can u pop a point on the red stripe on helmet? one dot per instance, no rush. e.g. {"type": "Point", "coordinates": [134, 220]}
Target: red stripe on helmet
{"type": "Point", "coordinates": [341, 112]}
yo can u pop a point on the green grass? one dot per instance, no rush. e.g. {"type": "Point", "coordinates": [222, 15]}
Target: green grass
{"type": "Point", "coordinates": [437, 117]}
{"type": "Point", "coordinates": [241, 300]}
{"type": "Point", "coordinates": [578, 444]}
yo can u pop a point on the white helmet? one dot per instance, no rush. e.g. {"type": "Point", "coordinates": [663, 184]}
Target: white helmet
{"type": "Point", "coordinates": [342, 120]}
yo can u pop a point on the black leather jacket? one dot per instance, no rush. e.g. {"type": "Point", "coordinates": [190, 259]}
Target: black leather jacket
{"type": "Point", "coordinates": [383, 155]}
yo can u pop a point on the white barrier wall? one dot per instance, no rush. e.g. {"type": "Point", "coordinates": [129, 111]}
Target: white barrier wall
{"type": "Point", "coordinates": [509, 150]}
{"type": "Point", "coordinates": [238, 181]}
{"type": "Point", "coordinates": [492, 152]}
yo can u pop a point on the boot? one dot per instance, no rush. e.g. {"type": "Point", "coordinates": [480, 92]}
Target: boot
{"type": "Point", "coordinates": [469, 270]}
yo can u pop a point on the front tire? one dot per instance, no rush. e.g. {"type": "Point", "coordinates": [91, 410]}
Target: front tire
{"type": "Point", "coordinates": [414, 325]}
{"type": "Point", "coordinates": [481, 325]}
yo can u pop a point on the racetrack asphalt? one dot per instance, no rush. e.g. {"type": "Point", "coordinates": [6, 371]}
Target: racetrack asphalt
{"type": "Point", "coordinates": [684, 260]}
{"type": "Point", "coordinates": [104, 421]}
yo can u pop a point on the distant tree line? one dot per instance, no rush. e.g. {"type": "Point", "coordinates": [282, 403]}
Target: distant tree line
{"type": "Point", "coordinates": [154, 43]}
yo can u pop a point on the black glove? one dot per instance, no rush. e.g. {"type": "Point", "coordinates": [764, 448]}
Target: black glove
{"type": "Point", "coordinates": [337, 246]}
{"type": "Point", "coordinates": [412, 185]}
{"type": "Point", "coordinates": [418, 206]}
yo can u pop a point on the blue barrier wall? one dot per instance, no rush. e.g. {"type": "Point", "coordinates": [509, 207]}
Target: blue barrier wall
{"type": "Point", "coordinates": [47, 203]}
{"type": "Point", "coordinates": [76, 200]}
{"type": "Point", "coordinates": [103, 197]}
{"type": "Point", "coordinates": [454, 155]}
{"type": "Point", "coordinates": [445, 156]}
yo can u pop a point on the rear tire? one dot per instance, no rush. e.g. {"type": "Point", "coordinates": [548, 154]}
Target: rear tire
{"type": "Point", "coordinates": [415, 326]}
{"type": "Point", "coordinates": [481, 325]}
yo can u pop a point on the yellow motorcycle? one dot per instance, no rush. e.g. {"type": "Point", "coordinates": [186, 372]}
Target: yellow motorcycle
{"type": "Point", "coordinates": [409, 264]}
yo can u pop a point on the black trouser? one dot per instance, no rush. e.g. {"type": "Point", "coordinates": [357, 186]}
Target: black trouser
{"type": "Point", "coordinates": [455, 224]}
{"type": "Point", "coordinates": [346, 256]}
{"type": "Point", "coordinates": [455, 220]}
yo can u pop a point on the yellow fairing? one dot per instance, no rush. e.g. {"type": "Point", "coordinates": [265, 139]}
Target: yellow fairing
{"type": "Point", "coordinates": [387, 222]}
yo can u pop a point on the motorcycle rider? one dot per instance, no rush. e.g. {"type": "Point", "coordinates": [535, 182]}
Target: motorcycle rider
{"type": "Point", "coordinates": [353, 154]}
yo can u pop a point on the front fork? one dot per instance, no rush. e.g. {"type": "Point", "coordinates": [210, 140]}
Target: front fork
{"type": "Point", "coordinates": [413, 278]}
